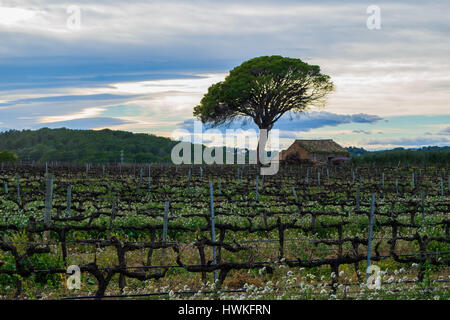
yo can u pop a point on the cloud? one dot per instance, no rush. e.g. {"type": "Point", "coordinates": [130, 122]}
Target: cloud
{"type": "Point", "coordinates": [445, 132]}
{"type": "Point", "coordinates": [14, 16]}
{"type": "Point", "coordinates": [361, 131]}
{"type": "Point", "coordinates": [64, 98]}
{"type": "Point", "coordinates": [149, 58]}
{"type": "Point", "coordinates": [302, 122]}
{"type": "Point", "coordinates": [85, 124]}
{"type": "Point", "coordinates": [411, 142]}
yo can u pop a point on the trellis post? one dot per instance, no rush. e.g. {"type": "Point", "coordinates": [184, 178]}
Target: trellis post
{"type": "Point", "coordinates": [111, 218]}
{"type": "Point", "coordinates": [19, 200]}
{"type": "Point", "coordinates": [213, 228]}
{"type": "Point", "coordinates": [48, 199]}
{"type": "Point", "coordinates": [357, 199]}
{"type": "Point", "coordinates": [69, 200]}
{"type": "Point", "coordinates": [257, 187]}
{"type": "Point", "coordinates": [369, 245]}
{"type": "Point", "coordinates": [295, 194]}
{"type": "Point", "coordinates": [149, 178]}
{"type": "Point", "coordinates": [189, 179]}
{"type": "Point", "coordinates": [422, 201]}
{"type": "Point", "coordinates": [165, 226]}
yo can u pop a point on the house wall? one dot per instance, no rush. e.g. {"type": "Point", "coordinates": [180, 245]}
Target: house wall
{"type": "Point", "coordinates": [295, 149]}
{"type": "Point", "coordinates": [323, 157]}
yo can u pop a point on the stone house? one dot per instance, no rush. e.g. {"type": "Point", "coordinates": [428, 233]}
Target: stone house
{"type": "Point", "coordinates": [313, 151]}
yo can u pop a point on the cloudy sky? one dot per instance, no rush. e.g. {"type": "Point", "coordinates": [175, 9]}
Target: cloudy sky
{"type": "Point", "coordinates": [143, 65]}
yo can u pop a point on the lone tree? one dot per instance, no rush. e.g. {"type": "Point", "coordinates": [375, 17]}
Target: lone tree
{"type": "Point", "coordinates": [264, 89]}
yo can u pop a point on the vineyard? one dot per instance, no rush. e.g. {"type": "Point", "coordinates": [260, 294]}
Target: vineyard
{"type": "Point", "coordinates": [224, 232]}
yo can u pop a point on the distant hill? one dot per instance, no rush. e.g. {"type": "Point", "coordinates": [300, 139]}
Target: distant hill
{"type": "Point", "coordinates": [85, 145]}
{"type": "Point", "coordinates": [354, 151]}
{"type": "Point", "coordinates": [104, 146]}
{"type": "Point", "coordinates": [427, 155]}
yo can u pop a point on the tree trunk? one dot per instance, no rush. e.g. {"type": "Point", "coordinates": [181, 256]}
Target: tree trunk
{"type": "Point", "coordinates": [262, 141]}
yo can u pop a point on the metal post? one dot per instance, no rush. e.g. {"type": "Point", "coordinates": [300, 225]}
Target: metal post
{"type": "Point", "coordinates": [357, 199]}
{"type": "Point", "coordinates": [295, 194]}
{"type": "Point", "coordinates": [19, 200]}
{"type": "Point", "coordinates": [165, 226]}
{"type": "Point", "coordinates": [189, 179]}
{"type": "Point", "coordinates": [69, 200]}
{"type": "Point", "coordinates": [422, 201]}
{"type": "Point", "coordinates": [213, 228]}
{"type": "Point", "coordinates": [369, 246]}
{"type": "Point", "coordinates": [48, 199]}
{"type": "Point", "coordinates": [149, 178]}
{"type": "Point", "coordinates": [111, 218]}
{"type": "Point", "coordinates": [257, 187]}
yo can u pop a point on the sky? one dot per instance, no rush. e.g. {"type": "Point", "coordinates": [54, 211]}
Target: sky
{"type": "Point", "coordinates": [142, 66]}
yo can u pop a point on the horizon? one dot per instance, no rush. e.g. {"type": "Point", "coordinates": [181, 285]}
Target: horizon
{"type": "Point", "coordinates": [143, 66]}
{"type": "Point", "coordinates": [367, 150]}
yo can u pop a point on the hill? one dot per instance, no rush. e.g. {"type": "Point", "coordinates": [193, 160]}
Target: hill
{"type": "Point", "coordinates": [85, 145]}
{"type": "Point", "coordinates": [104, 146]}
{"type": "Point", "coordinates": [418, 156]}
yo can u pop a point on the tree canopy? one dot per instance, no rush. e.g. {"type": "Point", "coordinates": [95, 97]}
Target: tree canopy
{"type": "Point", "coordinates": [6, 156]}
{"type": "Point", "coordinates": [264, 89]}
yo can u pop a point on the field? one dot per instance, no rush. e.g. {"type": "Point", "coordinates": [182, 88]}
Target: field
{"type": "Point", "coordinates": [155, 232]}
